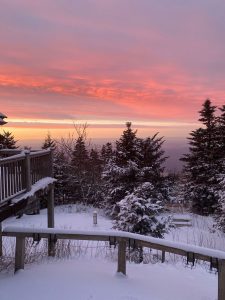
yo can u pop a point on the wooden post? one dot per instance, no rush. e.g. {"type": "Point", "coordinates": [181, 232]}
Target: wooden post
{"type": "Point", "coordinates": [221, 279]}
{"type": "Point", "coordinates": [20, 253]}
{"type": "Point", "coordinates": [122, 257]}
{"type": "Point", "coordinates": [28, 174]}
{"type": "Point", "coordinates": [95, 218]}
{"type": "Point", "coordinates": [0, 238]}
{"type": "Point", "coordinates": [51, 207]}
{"type": "Point", "coordinates": [51, 171]}
{"type": "Point", "coordinates": [51, 243]}
{"type": "Point", "coordinates": [163, 256]}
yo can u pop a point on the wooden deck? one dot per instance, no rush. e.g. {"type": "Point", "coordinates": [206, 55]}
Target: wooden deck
{"type": "Point", "coordinates": [20, 172]}
{"type": "Point", "coordinates": [24, 177]}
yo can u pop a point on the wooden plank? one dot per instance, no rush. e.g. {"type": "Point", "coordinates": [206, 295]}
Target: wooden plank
{"type": "Point", "coordinates": [172, 250]}
{"type": "Point", "coordinates": [221, 279]}
{"type": "Point", "coordinates": [51, 207]}
{"type": "Point", "coordinates": [20, 253]}
{"type": "Point", "coordinates": [64, 234]}
{"type": "Point", "coordinates": [122, 257]}
{"type": "Point", "coordinates": [28, 173]}
{"type": "Point", "coordinates": [51, 242]}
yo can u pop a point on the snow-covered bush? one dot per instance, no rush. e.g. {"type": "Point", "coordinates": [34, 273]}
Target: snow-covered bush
{"type": "Point", "coordinates": [138, 212]}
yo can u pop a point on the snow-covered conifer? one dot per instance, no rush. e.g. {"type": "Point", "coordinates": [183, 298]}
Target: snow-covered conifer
{"type": "Point", "coordinates": [201, 163]}
{"type": "Point", "coordinates": [139, 212]}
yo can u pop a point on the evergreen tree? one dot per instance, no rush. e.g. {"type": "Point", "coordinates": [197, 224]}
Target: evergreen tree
{"type": "Point", "coordinates": [134, 183]}
{"type": "Point", "coordinates": [220, 211]}
{"type": "Point", "coordinates": [7, 140]}
{"type": "Point", "coordinates": [79, 168]}
{"type": "Point", "coordinates": [106, 152]}
{"type": "Point", "coordinates": [95, 166]}
{"type": "Point", "coordinates": [139, 211]}
{"type": "Point", "coordinates": [126, 146]}
{"type": "Point", "coordinates": [49, 143]}
{"type": "Point", "coordinates": [61, 170]}
{"type": "Point", "coordinates": [201, 163]}
{"type": "Point", "coordinates": [120, 172]}
{"type": "Point", "coordinates": [221, 137]}
{"type": "Point", "coordinates": [80, 156]}
{"type": "Point", "coordinates": [152, 158]}
{"type": "Point", "coordinates": [94, 179]}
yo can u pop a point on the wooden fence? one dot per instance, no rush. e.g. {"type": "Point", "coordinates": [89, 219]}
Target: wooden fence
{"type": "Point", "coordinates": [19, 170]}
{"type": "Point", "coordinates": [123, 240]}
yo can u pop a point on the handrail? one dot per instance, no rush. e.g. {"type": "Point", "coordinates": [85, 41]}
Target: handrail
{"type": "Point", "coordinates": [20, 171]}
{"type": "Point", "coordinates": [123, 239]}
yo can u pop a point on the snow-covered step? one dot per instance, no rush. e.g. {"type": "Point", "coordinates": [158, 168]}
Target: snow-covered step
{"type": "Point", "coordinates": [181, 220]}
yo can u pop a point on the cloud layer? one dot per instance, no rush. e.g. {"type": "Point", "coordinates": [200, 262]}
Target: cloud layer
{"type": "Point", "coordinates": [120, 60]}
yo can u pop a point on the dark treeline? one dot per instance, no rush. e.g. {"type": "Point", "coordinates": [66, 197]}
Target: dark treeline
{"type": "Point", "coordinates": [128, 179]}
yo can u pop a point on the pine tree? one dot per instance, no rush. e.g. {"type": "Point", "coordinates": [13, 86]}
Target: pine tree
{"type": "Point", "coordinates": [106, 152]}
{"type": "Point", "coordinates": [61, 170]}
{"type": "Point", "coordinates": [126, 146]}
{"type": "Point", "coordinates": [221, 137]}
{"type": "Point", "coordinates": [220, 188]}
{"type": "Point", "coordinates": [95, 166]}
{"type": "Point", "coordinates": [49, 143]}
{"type": "Point", "coordinates": [201, 163]}
{"type": "Point", "coordinates": [220, 211]}
{"type": "Point", "coordinates": [79, 170]}
{"type": "Point", "coordinates": [134, 183]}
{"type": "Point", "coordinates": [94, 179]}
{"type": "Point", "coordinates": [120, 172]}
{"type": "Point", "coordinates": [139, 210]}
{"type": "Point", "coordinates": [7, 140]}
{"type": "Point", "coordinates": [80, 156]}
{"type": "Point", "coordinates": [152, 158]}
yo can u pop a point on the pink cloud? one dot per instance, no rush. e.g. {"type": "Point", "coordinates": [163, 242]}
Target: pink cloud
{"type": "Point", "coordinates": [99, 60]}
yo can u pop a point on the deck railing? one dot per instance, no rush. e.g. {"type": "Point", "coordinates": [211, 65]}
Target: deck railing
{"type": "Point", "coordinates": [19, 170]}
{"type": "Point", "coordinates": [123, 240]}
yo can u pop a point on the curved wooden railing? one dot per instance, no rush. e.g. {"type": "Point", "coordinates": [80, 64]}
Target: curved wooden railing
{"type": "Point", "coordinates": [19, 170]}
{"type": "Point", "coordinates": [123, 240]}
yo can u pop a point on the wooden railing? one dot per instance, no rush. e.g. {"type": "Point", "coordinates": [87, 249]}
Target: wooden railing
{"type": "Point", "coordinates": [19, 170]}
{"type": "Point", "coordinates": [123, 240]}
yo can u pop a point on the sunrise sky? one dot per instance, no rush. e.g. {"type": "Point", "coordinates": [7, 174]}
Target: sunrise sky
{"type": "Point", "coordinates": [106, 62]}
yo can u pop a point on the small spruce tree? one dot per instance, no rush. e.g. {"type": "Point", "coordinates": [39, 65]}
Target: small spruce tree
{"type": "Point", "coordinates": [49, 143]}
{"type": "Point", "coordinates": [7, 140]}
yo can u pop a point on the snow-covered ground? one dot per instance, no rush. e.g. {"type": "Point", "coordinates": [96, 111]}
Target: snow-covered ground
{"type": "Point", "coordinates": [97, 280]}
{"type": "Point", "coordinates": [67, 217]}
{"type": "Point", "coordinates": [93, 275]}
{"type": "Point", "coordinates": [202, 233]}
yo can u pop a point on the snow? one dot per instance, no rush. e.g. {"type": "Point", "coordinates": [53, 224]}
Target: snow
{"type": "Point", "coordinates": [94, 277]}
{"type": "Point", "coordinates": [67, 217]}
{"type": "Point", "coordinates": [14, 157]}
{"type": "Point", "coordinates": [98, 280]}
{"type": "Point", "coordinates": [201, 233]}
{"type": "Point", "coordinates": [35, 152]}
{"type": "Point", "coordinates": [39, 185]}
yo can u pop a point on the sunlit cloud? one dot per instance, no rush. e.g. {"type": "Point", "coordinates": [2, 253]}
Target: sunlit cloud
{"type": "Point", "coordinates": [99, 62]}
{"type": "Point", "coordinates": [97, 122]}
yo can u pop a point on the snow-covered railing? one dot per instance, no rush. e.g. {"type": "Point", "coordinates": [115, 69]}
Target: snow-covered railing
{"type": "Point", "coordinates": [19, 170]}
{"type": "Point", "coordinates": [123, 240]}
